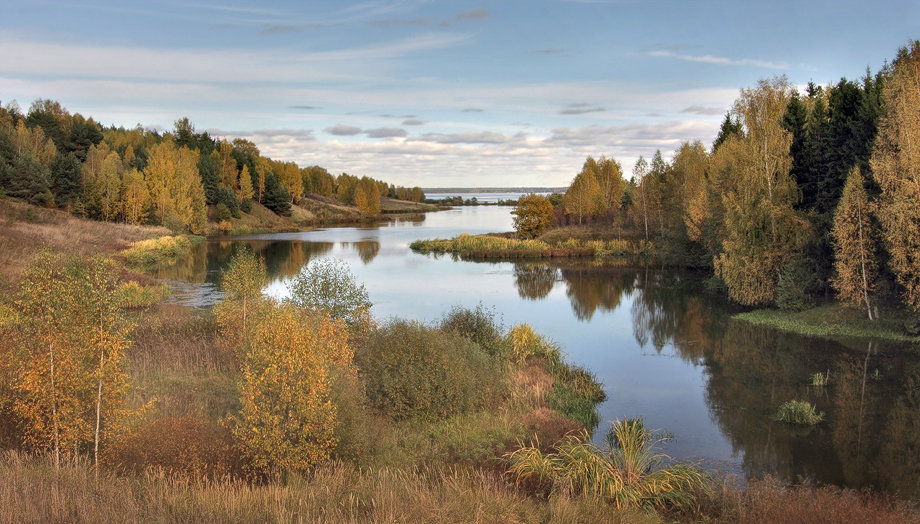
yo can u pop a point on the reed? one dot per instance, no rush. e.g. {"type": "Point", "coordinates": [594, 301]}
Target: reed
{"type": "Point", "coordinates": [628, 474]}
{"type": "Point", "coordinates": [799, 412]}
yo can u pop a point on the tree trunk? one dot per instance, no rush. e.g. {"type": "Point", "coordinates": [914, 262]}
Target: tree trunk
{"type": "Point", "coordinates": [54, 417]}
{"type": "Point", "coordinates": [862, 262]}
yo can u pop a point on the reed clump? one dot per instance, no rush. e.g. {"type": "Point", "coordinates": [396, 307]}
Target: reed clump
{"type": "Point", "coordinates": [629, 473]}
{"type": "Point", "coordinates": [799, 412]}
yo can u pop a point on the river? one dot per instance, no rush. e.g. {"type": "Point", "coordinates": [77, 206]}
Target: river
{"type": "Point", "coordinates": [665, 348]}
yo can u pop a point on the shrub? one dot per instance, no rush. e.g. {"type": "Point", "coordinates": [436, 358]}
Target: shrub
{"type": "Point", "coordinates": [327, 284]}
{"type": "Point", "coordinates": [478, 326]}
{"type": "Point", "coordinates": [799, 412]}
{"type": "Point", "coordinates": [412, 370]}
{"type": "Point", "coordinates": [184, 445]}
{"type": "Point", "coordinates": [225, 227]}
{"type": "Point", "coordinates": [223, 212]}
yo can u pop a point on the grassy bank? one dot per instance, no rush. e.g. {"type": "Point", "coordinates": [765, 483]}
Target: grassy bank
{"type": "Point", "coordinates": [483, 247]}
{"type": "Point", "coordinates": [834, 320]}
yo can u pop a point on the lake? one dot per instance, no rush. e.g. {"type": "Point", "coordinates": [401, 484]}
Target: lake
{"type": "Point", "coordinates": [664, 348]}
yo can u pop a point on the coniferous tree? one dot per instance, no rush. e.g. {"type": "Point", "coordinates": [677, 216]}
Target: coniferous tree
{"type": "Point", "coordinates": [276, 196]}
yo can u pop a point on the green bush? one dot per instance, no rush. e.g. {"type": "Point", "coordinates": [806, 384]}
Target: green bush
{"type": "Point", "coordinates": [478, 325]}
{"type": "Point", "coordinates": [413, 370]}
{"type": "Point", "coordinates": [223, 212]}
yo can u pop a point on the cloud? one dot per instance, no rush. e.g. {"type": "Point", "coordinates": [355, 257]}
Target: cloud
{"type": "Point", "coordinates": [469, 137]}
{"type": "Point", "coordinates": [277, 66]}
{"type": "Point", "coordinates": [305, 108]}
{"type": "Point", "coordinates": [343, 130]}
{"type": "Point", "coordinates": [472, 110]}
{"type": "Point", "coordinates": [474, 14]}
{"type": "Point", "coordinates": [700, 110]}
{"type": "Point", "coordinates": [386, 132]}
{"type": "Point", "coordinates": [720, 60]}
{"type": "Point", "coordinates": [581, 109]}
{"type": "Point", "coordinates": [421, 22]}
{"type": "Point", "coordinates": [265, 135]}
{"type": "Point", "coordinates": [280, 29]}
{"type": "Point", "coordinates": [413, 122]}
{"type": "Point", "coordinates": [549, 52]}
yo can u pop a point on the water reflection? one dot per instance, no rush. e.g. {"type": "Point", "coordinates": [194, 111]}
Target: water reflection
{"type": "Point", "coordinates": [367, 249]}
{"type": "Point", "coordinates": [871, 432]}
{"type": "Point", "coordinates": [665, 348]}
{"type": "Point", "coordinates": [534, 280]}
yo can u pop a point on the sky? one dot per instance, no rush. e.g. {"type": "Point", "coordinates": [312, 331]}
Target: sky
{"type": "Point", "coordinates": [437, 93]}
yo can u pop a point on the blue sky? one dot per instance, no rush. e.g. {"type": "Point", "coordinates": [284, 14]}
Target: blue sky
{"type": "Point", "coordinates": [436, 93]}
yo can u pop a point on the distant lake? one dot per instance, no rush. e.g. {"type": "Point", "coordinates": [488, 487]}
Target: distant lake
{"type": "Point", "coordinates": [664, 348]}
{"type": "Point", "coordinates": [482, 198]}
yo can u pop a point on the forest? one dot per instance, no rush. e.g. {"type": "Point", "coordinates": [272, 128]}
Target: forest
{"type": "Point", "coordinates": [801, 196]}
{"type": "Point", "coordinates": [52, 158]}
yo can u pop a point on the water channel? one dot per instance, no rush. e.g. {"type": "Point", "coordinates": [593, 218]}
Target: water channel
{"type": "Point", "coordinates": [664, 348]}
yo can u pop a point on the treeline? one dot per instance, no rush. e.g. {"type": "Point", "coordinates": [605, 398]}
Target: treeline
{"type": "Point", "coordinates": [801, 194]}
{"type": "Point", "coordinates": [53, 158]}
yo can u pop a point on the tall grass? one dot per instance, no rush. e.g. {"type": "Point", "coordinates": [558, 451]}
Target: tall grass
{"type": "Point", "coordinates": [489, 247]}
{"type": "Point", "coordinates": [629, 473]}
{"type": "Point", "coordinates": [32, 491]}
{"type": "Point", "coordinates": [799, 412]}
{"type": "Point", "coordinates": [150, 253]}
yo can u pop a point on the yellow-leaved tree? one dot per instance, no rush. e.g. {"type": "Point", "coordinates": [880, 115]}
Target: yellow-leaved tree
{"type": "Point", "coordinates": [175, 186]}
{"type": "Point", "coordinates": [533, 215]}
{"type": "Point", "coordinates": [71, 341]}
{"type": "Point", "coordinates": [854, 246]}
{"type": "Point", "coordinates": [242, 282]}
{"type": "Point", "coordinates": [288, 419]}
{"type": "Point", "coordinates": [896, 166]}
{"type": "Point", "coordinates": [582, 196]}
{"type": "Point", "coordinates": [762, 230]}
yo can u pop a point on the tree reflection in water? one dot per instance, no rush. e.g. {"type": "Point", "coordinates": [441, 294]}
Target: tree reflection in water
{"type": "Point", "coordinates": [534, 280]}
{"type": "Point", "coordinates": [872, 430]}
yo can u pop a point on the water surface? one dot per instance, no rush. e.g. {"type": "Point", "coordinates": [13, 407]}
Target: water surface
{"type": "Point", "coordinates": [663, 347]}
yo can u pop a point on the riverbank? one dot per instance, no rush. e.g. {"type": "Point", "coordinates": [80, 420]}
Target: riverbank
{"type": "Point", "coordinates": [833, 320]}
{"type": "Point", "coordinates": [309, 212]}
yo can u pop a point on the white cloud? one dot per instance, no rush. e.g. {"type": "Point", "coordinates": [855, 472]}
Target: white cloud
{"type": "Point", "coordinates": [721, 60]}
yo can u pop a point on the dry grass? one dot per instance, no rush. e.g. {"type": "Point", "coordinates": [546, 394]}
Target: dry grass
{"type": "Point", "coordinates": [31, 491]}
{"type": "Point", "coordinates": [25, 229]}
{"type": "Point", "coordinates": [770, 501]}
{"type": "Point", "coordinates": [177, 360]}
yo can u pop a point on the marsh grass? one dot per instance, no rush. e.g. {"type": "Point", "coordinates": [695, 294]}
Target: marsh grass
{"type": "Point", "coordinates": [154, 252]}
{"type": "Point", "coordinates": [628, 474]}
{"type": "Point", "coordinates": [833, 320]}
{"type": "Point", "coordinates": [32, 491]}
{"type": "Point", "coordinates": [132, 295]}
{"type": "Point", "coordinates": [474, 247]}
{"type": "Point", "coordinates": [820, 380]}
{"type": "Point", "coordinates": [799, 412]}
